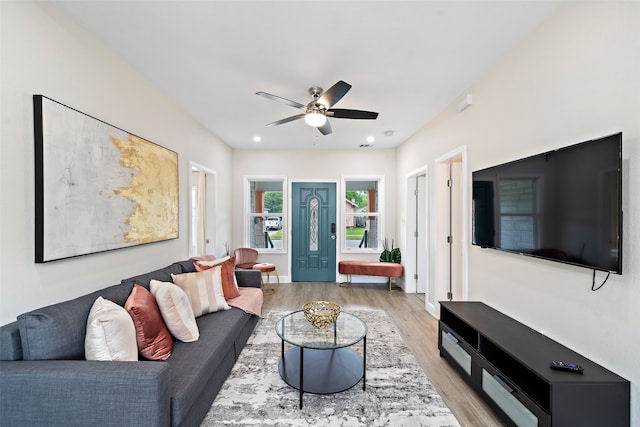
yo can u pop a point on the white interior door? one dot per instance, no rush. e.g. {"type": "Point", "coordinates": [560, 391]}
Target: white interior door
{"type": "Point", "coordinates": [202, 211]}
{"type": "Point", "coordinates": [416, 256]}
{"type": "Point", "coordinates": [210, 218]}
{"type": "Point", "coordinates": [410, 255]}
{"type": "Point", "coordinates": [449, 233]}
{"type": "Point", "coordinates": [421, 235]}
{"type": "Point", "coordinates": [441, 265]}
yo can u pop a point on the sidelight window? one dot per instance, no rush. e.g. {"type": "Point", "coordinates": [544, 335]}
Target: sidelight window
{"type": "Point", "coordinates": [265, 221]}
{"type": "Point", "coordinates": [362, 201]}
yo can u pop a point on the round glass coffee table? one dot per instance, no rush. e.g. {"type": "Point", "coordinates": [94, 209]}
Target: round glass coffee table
{"type": "Point", "coordinates": [321, 361]}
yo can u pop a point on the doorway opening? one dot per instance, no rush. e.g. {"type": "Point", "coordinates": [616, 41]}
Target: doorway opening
{"type": "Point", "coordinates": [417, 251]}
{"type": "Point", "coordinates": [202, 210]}
{"type": "Point", "coordinates": [451, 230]}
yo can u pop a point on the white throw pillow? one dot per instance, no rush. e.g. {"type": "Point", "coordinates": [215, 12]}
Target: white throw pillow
{"type": "Point", "coordinates": [176, 310]}
{"type": "Point", "coordinates": [111, 334]}
{"type": "Point", "coordinates": [204, 290]}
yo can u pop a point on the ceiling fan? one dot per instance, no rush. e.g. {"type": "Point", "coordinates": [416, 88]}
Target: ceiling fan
{"type": "Point", "coordinates": [316, 112]}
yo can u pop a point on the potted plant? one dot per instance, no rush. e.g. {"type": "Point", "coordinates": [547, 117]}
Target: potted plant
{"type": "Point", "coordinates": [390, 255]}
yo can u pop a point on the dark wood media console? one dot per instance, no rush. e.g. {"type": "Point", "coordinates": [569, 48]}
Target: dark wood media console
{"type": "Point", "coordinates": [507, 363]}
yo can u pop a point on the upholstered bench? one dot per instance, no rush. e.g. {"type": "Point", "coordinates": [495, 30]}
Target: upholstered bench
{"type": "Point", "coordinates": [370, 268]}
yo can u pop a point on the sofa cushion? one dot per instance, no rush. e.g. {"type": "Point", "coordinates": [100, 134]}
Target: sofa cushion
{"type": "Point", "coordinates": [111, 335]}
{"type": "Point", "coordinates": [176, 310]}
{"type": "Point", "coordinates": [163, 275]}
{"type": "Point", "coordinates": [10, 344]}
{"type": "Point", "coordinates": [153, 337]}
{"type": "Point", "coordinates": [58, 331]}
{"type": "Point", "coordinates": [195, 365]}
{"type": "Point", "coordinates": [186, 265]}
{"type": "Point", "coordinates": [248, 278]}
{"type": "Point", "coordinates": [204, 290]}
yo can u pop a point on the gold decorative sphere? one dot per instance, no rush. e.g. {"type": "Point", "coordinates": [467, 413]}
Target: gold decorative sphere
{"type": "Point", "coordinates": [321, 313]}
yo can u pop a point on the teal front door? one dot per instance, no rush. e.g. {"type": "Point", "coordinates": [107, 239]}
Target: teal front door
{"type": "Point", "coordinates": [313, 232]}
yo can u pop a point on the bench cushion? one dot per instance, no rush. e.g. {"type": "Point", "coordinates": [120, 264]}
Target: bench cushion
{"type": "Point", "coordinates": [370, 268]}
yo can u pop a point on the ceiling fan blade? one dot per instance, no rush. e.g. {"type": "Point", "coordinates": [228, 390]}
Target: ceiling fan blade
{"type": "Point", "coordinates": [334, 94]}
{"type": "Point", "coordinates": [325, 129]}
{"type": "Point", "coordinates": [287, 120]}
{"type": "Point", "coordinates": [289, 102]}
{"type": "Point", "coordinates": [341, 113]}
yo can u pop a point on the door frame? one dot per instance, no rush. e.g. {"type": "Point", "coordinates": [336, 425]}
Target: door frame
{"type": "Point", "coordinates": [410, 260]}
{"type": "Point", "coordinates": [440, 289]}
{"type": "Point", "coordinates": [290, 213]}
{"type": "Point", "coordinates": [212, 203]}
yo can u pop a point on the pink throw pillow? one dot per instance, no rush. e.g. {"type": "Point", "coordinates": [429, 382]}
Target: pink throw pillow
{"type": "Point", "coordinates": [152, 336]}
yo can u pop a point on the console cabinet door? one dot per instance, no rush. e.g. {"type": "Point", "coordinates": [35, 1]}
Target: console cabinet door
{"type": "Point", "coordinates": [451, 344]}
{"type": "Point", "coordinates": [509, 399]}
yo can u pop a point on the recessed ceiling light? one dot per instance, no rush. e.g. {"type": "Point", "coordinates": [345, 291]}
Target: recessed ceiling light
{"type": "Point", "coordinates": [257, 139]}
{"type": "Point", "coordinates": [370, 139]}
{"type": "Point", "coordinates": [388, 133]}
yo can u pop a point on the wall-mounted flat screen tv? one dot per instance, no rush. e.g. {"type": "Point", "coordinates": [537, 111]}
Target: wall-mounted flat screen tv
{"type": "Point", "coordinates": [564, 205]}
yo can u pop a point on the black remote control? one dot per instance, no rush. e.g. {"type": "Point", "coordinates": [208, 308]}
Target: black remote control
{"type": "Point", "coordinates": [571, 367]}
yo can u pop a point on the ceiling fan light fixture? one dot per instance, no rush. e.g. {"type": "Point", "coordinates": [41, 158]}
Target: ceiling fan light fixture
{"type": "Point", "coordinates": [316, 112]}
{"type": "Point", "coordinates": [315, 119]}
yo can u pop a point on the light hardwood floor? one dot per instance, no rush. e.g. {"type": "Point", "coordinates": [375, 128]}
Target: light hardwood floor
{"type": "Point", "coordinates": [417, 327]}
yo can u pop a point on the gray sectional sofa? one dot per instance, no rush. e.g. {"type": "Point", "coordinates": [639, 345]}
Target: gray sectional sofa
{"type": "Point", "coordinates": [45, 381]}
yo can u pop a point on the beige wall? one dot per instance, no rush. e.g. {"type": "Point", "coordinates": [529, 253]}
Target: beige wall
{"type": "Point", "coordinates": [43, 53]}
{"type": "Point", "coordinates": [575, 78]}
{"type": "Point", "coordinates": [314, 164]}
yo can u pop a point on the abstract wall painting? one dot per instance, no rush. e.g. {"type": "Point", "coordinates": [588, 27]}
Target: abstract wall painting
{"type": "Point", "coordinates": [98, 187]}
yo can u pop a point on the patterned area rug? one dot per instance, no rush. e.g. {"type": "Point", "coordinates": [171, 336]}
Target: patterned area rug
{"type": "Point", "coordinates": [397, 393]}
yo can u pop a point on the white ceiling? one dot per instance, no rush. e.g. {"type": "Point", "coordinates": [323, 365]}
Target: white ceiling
{"type": "Point", "coordinates": [407, 60]}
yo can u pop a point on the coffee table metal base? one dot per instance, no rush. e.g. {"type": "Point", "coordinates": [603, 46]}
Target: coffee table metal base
{"type": "Point", "coordinates": [322, 371]}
